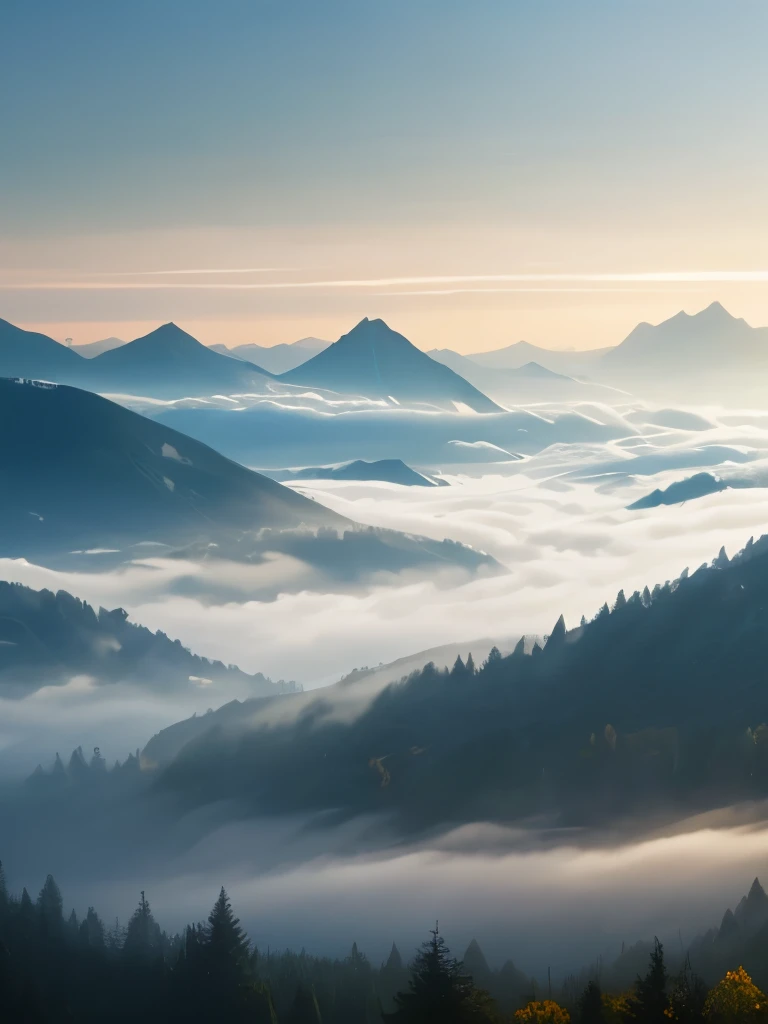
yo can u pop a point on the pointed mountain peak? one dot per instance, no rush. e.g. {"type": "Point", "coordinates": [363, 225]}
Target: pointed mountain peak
{"type": "Point", "coordinates": [715, 310]}
{"type": "Point", "coordinates": [166, 336]}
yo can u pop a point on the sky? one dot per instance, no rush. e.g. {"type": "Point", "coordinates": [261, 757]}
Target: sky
{"type": "Point", "coordinates": [474, 173]}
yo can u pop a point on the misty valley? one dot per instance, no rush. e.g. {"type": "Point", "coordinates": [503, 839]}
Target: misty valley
{"type": "Point", "coordinates": [383, 512]}
{"type": "Point", "coordinates": [370, 648]}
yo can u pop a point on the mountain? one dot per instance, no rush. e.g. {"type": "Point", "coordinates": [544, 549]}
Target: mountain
{"type": "Point", "coordinates": [276, 358]}
{"type": "Point", "coordinates": [168, 362]}
{"type": "Point", "coordinates": [28, 354]}
{"type": "Point", "coordinates": [376, 361]}
{"type": "Point", "coordinates": [87, 476]}
{"type": "Point", "coordinates": [529, 383]}
{"type": "Point", "coordinates": [709, 355]}
{"type": "Point", "coordinates": [95, 348]}
{"type": "Point", "coordinates": [742, 938]}
{"type": "Point", "coordinates": [654, 708]}
{"type": "Point", "coordinates": [570, 362]}
{"type": "Point", "coordinates": [354, 689]}
{"type": "Point", "coordinates": [393, 471]}
{"type": "Point", "coordinates": [696, 486]}
{"type": "Point", "coordinates": [687, 342]}
{"type": "Point", "coordinates": [47, 638]}
{"type": "Point", "coordinates": [86, 473]}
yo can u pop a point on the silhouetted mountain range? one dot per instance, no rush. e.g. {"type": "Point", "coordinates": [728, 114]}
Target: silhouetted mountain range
{"type": "Point", "coordinates": [710, 355]}
{"type": "Point", "coordinates": [566, 361]}
{"type": "Point", "coordinates": [528, 383]}
{"type": "Point", "coordinates": [710, 341]}
{"type": "Point", "coordinates": [48, 638]}
{"type": "Point", "coordinates": [168, 362]}
{"type": "Point", "coordinates": [374, 360]}
{"type": "Point", "coordinates": [276, 358]}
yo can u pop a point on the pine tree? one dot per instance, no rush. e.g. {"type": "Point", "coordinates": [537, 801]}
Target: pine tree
{"type": "Point", "coordinates": [92, 931]}
{"type": "Point", "coordinates": [458, 667]}
{"type": "Point", "coordinates": [394, 961]}
{"type": "Point", "coordinates": [50, 909]}
{"type": "Point", "coordinates": [470, 664]}
{"type": "Point", "coordinates": [226, 942]}
{"type": "Point", "coordinates": [4, 902]}
{"type": "Point", "coordinates": [494, 657]}
{"type": "Point", "coordinates": [142, 937]}
{"type": "Point", "coordinates": [304, 1009]}
{"type": "Point", "coordinates": [650, 1001]}
{"type": "Point", "coordinates": [438, 989]}
{"type": "Point", "coordinates": [688, 996]}
{"type": "Point", "coordinates": [590, 1006]}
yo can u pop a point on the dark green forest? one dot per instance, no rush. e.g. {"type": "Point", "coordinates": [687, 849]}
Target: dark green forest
{"type": "Point", "coordinates": [59, 967]}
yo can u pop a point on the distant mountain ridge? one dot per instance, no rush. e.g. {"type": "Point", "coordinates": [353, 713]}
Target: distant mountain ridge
{"type": "Point", "coordinates": [393, 471]}
{"type": "Point", "coordinates": [527, 384]}
{"type": "Point", "coordinates": [374, 360]}
{"type": "Point", "coordinates": [571, 362]}
{"type": "Point", "coordinates": [95, 348]}
{"type": "Point", "coordinates": [711, 340]}
{"type": "Point", "coordinates": [276, 358]}
{"type": "Point", "coordinates": [168, 361]}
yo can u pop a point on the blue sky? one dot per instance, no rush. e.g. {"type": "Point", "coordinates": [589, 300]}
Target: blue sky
{"type": "Point", "coordinates": [377, 140]}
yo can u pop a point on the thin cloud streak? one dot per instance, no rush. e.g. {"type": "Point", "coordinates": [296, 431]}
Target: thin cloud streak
{"type": "Point", "coordinates": [229, 270]}
{"type": "Point", "coordinates": [536, 291]}
{"type": "Point", "coordinates": [567, 279]}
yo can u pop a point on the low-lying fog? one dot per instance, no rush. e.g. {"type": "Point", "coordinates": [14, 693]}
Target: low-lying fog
{"type": "Point", "coordinates": [541, 899]}
{"type": "Point", "coordinates": [557, 521]}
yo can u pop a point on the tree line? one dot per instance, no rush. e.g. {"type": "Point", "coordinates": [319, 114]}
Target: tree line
{"type": "Point", "coordinates": [57, 968]}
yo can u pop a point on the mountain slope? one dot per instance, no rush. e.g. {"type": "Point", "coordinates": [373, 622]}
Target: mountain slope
{"type": "Point", "coordinates": [653, 708]}
{"type": "Point", "coordinates": [170, 362]}
{"type": "Point", "coordinates": [276, 358]}
{"type": "Point", "coordinates": [28, 354]}
{"type": "Point", "coordinates": [47, 638]}
{"type": "Point", "coordinates": [84, 473]}
{"type": "Point", "coordinates": [376, 361]}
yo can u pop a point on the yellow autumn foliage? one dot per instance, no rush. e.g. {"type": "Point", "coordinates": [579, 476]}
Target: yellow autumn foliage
{"type": "Point", "coordinates": [616, 1009]}
{"type": "Point", "coordinates": [545, 1012]}
{"type": "Point", "coordinates": [736, 1000]}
